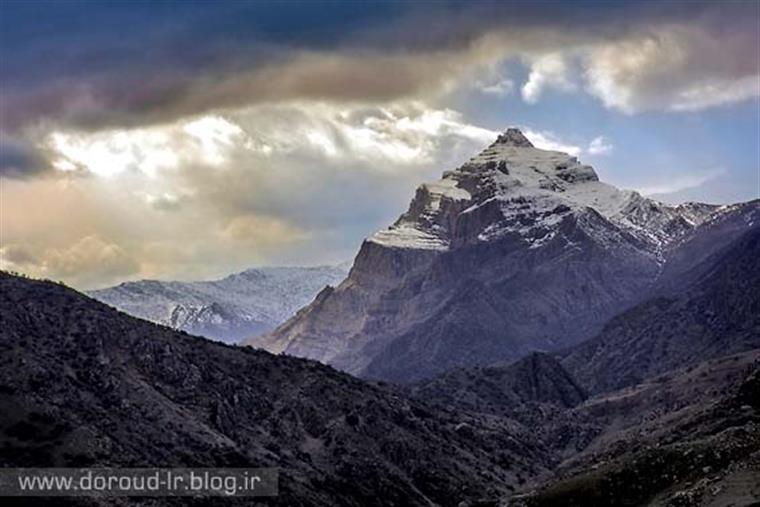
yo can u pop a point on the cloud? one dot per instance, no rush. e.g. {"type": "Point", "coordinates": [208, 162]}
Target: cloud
{"type": "Point", "coordinates": [661, 57]}
{"type": "Point", "coordinates": [679, 183]}
{"type": "Point", "coordinates": [547, 71]}
{"type": "Point", "coordinates": [716, 92]}
{"type": "Point", "coordinates": [386, 136]}
{"type": "Point", "coordinates": [20, 158]}
{"type": "Point", "coordinates": [344, 76]}
{"type": "Point", "coordinates": [664, 67]}
{"type": "Point", "coordinates": [600, 146]}
{"type": "Point", "coordinates": [112, 152]}
{"type": "Point", "coordinates": [261, 231]}
{"type": "Point", "coordinates": [165, 201]}
{"type": "Point", "coordinates": [500, 87]}
{"type": "Point", "coordinates": [676, 68]}
{"type": "Point", "coordinates": [547, 140]}
{"type": "Point", "coordinates": [271, 145]}
{"type": "Point", "coordinates": [90, 261]}
{"type": "Point", "coordinates": [270, 184]}
{"type": "Point", "coordinates": [16, 255]}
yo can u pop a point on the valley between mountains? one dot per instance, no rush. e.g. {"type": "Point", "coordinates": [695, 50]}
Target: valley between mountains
{"type": "Point", "coordinates": [523, 335]}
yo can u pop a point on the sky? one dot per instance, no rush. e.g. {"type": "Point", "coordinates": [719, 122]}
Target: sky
{"type": "Point", "coordinates": [189, 140]}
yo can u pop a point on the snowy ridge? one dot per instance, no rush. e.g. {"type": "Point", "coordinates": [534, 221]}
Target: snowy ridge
{"type": "Point", "coordinates": [229, 309]}
{"type": "Point", "coordinates": [535, 190]}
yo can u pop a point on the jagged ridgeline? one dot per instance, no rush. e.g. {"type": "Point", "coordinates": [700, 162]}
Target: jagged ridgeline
{"type": "Point", "coordinates": [519, 249]}
{"type": "Point", "coordinates": [631, 400]}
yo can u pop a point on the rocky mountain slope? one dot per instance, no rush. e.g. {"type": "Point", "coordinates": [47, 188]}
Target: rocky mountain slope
{"type": "Point", "coordinates": [687, 438]}
{"type": "Point", "coordinates": [517, 250]}
{"type": "Point", "coordinates": [235, 307]}
{"type": "Point", "coordinates": [82, 384]}
{"type": "Point", "coordinates": [690, 436]}
{"type": "Point", "coordinates": [504, 389]}
{"type": "Point", "coordinates": [713, 310]}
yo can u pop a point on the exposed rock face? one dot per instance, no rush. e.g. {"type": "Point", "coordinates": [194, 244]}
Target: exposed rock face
{"type": "Point", "coordinates": [688, 259]}
{"type": "Point", "coordinates": [504, 389]}
{"type": "Point", "coordinates": [84, 385]}
{"type": "Point", "coordinates": [713, 309]}
{"type": "Point", "coordinates": [235, 307]}
{"type": "Point", "coordinates": [517, 250]}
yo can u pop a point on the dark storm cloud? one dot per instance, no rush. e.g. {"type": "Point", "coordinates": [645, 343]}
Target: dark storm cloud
{"type": "Point", "coordinates": [135, 57]}
{"type": "Point", "coordinates": [90, 65]}
{"type": "Point", "coordinates": [19, 158]}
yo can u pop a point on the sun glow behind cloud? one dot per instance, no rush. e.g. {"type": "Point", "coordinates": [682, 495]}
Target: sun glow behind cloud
{"type": "Point", "coordinates": [404, 133]}
{"type": "Point", "coordinates": [148, 150]}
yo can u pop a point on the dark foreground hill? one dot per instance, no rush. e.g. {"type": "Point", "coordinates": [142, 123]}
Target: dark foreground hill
{"type": "Point", "coordinates": [688, 437]}
{"type": "Point", "coordinates": [82, 384]}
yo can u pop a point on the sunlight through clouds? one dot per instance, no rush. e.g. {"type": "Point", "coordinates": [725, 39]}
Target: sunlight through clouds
{"type": "Point", "coordinates": [149, 150]}
{"type": "Point", "coordinates": [215, 136]}
{"type": "Point", "coordinates": [254, 183]}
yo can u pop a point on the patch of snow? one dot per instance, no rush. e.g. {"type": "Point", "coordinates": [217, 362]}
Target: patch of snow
{"type": "Point", "coordinates": [445, 188]}
{"type": "Point", "coordinates": [408, 236]}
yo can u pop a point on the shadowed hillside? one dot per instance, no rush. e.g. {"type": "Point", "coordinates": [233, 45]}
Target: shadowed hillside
{"type": "Point", "coordinates": [84, 385]}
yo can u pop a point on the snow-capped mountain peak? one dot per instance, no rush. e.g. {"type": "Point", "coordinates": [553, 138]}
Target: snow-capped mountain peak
{"type": "Point", "coordinates": [514, 188]}
{"type": "Point", "coordinates": [518, 249]}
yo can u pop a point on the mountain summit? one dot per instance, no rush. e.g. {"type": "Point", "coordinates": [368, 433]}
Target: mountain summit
{"type": "Point", "coordinates": [514, 188]}
{"type": "Point", "coordinates": [518, 249]}
{"type": "Point", "coordinates": [514, 137]}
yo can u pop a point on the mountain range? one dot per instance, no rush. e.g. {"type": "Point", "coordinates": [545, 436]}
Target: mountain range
{"type": "Point", "coordinates": [229, 309]}
{"type": "Point", "coordinates": [518, 250]}
{"type": "Point", "coordinates": [714, 311]}
{"type": "Point", "coordinates": [524, 335]}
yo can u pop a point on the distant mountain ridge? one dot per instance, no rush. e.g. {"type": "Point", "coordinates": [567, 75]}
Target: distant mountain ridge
{"type": "Point", "coordinates": [517, 250]}
{"type": "Point", "coordinates": [229, 309]}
